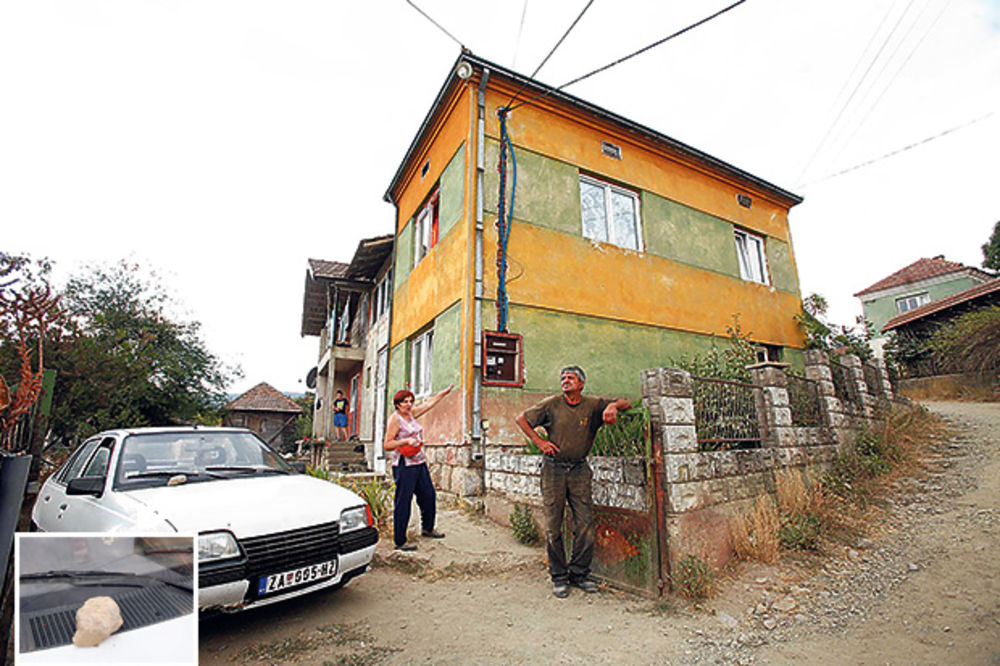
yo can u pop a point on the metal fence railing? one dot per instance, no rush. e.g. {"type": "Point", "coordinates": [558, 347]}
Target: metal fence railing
{"type": "Point", "coordinates": [725, 414]}
{"type": "Point", "coordinates": [872, 380]}
{"type": "Point", "coordinates": [803, 399]}
{"type": "Point", "coordinates": [628, 438]}
{"type": "Point", "coordinates": [843, 384]}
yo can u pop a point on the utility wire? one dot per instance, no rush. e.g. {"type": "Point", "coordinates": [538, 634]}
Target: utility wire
{"type": "Point", "coordinates": [520, 31]}
{"type": "Point", "coordinates": [558, 44]}
{"type": "Point", "coordinates": [439, 26]}
{"type": "Point", "coordinates": [900, 150]}
{"type": "Point", "coordinates": [898, 71]}
{"type": "Point", "coordinates": [631, 55]}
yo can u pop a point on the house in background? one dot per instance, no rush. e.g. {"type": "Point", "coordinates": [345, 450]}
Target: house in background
{"type": "Point", "coordinates": [347, 306]}
{"type": "Point", "coordinates": [627, 249]}
{"type": "Point", "coordinates": [268, 412]}
{"type": "Point", "coordinates": [922, 282]}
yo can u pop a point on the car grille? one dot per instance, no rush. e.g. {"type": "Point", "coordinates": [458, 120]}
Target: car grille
{"type": "Point", "coordinates": [283, 551]}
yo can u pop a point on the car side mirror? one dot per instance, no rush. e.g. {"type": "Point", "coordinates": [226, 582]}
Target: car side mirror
{"type": "Point", "coordinates": [86, 485]}
{"type": "Point", "coordinates": [299, 466]}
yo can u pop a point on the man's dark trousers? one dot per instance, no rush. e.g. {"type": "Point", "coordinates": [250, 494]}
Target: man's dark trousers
{"type": "Point", "coordinates": [568, 481]}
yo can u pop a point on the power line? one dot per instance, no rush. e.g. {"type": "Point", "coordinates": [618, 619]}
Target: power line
{"type": "Point", "coordinates": [857, 86]}
{"type": "Point", "coordinates": [438, 25]}
{"type": "Point", "coordinates": [553, 50]}
{"type": "Point", "coordinates": [520, 31]}
{"type": "Point", "coordinates": [900, 150]}
{"type": "Point", "coordinates": [632, 55]}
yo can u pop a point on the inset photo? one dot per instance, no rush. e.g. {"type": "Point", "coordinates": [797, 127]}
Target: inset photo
{"type": "Point", "coordinates": [105, 599]}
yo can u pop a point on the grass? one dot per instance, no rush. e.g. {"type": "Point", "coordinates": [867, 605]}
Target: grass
{"type": "Point", "coordinates": [694, 579]}
{"type": "Point", "coordinates": [805, 513]}
{"type": "Point", "coordinates": [522, 523]}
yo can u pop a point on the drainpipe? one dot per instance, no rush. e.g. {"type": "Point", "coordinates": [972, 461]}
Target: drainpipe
{"type": "Point", "coordinates": [477, 327]}
{"type": "Point", "coordinates": [392, 310]}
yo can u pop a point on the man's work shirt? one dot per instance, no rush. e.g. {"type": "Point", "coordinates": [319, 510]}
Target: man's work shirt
{"type": "Point", "coordinates": [570, 427]}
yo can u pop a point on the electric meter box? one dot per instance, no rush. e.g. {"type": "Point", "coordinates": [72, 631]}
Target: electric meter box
{"type": "Point", "coordinates": [503, 359]}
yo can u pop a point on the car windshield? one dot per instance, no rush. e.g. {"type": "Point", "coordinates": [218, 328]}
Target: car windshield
{"type": "Point", "coordinates": [174, 458]}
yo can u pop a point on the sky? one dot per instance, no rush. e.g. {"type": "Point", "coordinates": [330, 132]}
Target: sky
{"type": "Point", "coordinates": [222, 143]}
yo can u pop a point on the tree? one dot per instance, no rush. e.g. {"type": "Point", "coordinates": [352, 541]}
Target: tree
{"type": "Point", "coordinates": [991, 250]}
{"type": "Point", "coordinates": [125, 362]}
{"type": "Point", "coordinates": [820, 334]}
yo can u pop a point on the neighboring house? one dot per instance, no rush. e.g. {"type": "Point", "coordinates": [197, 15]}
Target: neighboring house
{"type": "Point", "coordinates": [267, 411]}
{"type": "Point", "coordinates": [347, 306]}
{"type": "Point", "coordinates": [627, 249]}
{"type": "Point", "coordinates": [914, 326]}
{"type": "Point", "coordinates": [922, 282]}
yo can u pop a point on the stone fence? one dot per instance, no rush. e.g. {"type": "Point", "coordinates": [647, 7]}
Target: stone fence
{"type": "Point", "coordinates": [702, 489]}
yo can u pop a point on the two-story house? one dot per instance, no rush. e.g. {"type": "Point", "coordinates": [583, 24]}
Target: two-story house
{"type": "Point", "coordinates": [347, 306]}
{"type": "Point", "coordinates": [626, 249]}
{"type": "Point", "coordinates": [915, 285]}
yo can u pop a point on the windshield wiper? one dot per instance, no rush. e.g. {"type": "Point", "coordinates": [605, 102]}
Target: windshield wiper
{"type": "Point", "coordinates": [244, 468]}
{"type": "Point", "coordinates": [100, 578]}
{"type": "Point", "coordinates": [183, 472]}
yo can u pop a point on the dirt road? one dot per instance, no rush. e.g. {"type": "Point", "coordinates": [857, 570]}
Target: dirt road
{"type": "Point", "coordinates": [926, 591]}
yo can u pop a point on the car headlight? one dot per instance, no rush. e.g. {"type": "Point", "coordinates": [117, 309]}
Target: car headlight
{"type": "Point", "coordinates": [215, 546]}
{"type": "Point", "coordinates": [354, 519]}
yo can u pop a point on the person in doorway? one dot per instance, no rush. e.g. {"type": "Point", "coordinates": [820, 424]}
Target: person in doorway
{"type": "Point", "coordinates": [571, 421]}
{"type": "Point", "coordinates": [404, 437]}
{"type": "Point", "coordinates": [340, 416]}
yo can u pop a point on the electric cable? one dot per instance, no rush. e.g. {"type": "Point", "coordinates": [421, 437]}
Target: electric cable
{"type": "Point", "coordinates": [505, 218]}
{"type": "Point", "coordinates": [857, 86]}
{"type": "Point", "coordinates": [438, 25]}
{"type": "Point", "coordinates": [900, 150]}
{"type": "Point", "coordinates": [520, 31]}
{"type": "Point", "coordinates": [631, 55]}
{"type": "Point", "coordinates": [553, 50]}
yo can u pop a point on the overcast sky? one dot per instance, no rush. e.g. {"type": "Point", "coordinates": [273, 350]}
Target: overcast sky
{"type": "Point", "coordinates": [222, 143]}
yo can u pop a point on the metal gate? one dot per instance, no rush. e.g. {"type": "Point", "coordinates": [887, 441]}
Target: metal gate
{"type": "Point", "coordinates": [630, 549]}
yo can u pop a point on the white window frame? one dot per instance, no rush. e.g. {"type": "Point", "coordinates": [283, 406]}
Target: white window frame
{"type": "Point", "coordinates": [751, 262]}
{"type": "Point", "coordinates": [609, 226]}
{"type": "Point", "coordinates": [423, 227]}
{"type": "Point", "coordinates": [422, 363]}
{"type": "Point", "coordinates": [912, 302]}
{"type": "Point", "coordinates": [382, 296]}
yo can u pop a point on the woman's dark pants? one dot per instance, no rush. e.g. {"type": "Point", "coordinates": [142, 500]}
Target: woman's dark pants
{"type": "Point", "coordinates": [562, 482]}
{"type": "Point", "coordinates": [412, 480]}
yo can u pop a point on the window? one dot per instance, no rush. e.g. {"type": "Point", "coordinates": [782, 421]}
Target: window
{"type": "Point", "coordinates": [382, 296]}
{"type": "Point", "coordinates": [750, 254]}
{"type": "Point", "coordinates": [425, 233]}
{"type": "Point", "coordinates": [908, 303]}
{"type": "Point", "coordinates": [98, 466]}
{"type": "Point", "coordinates": [772, 353]}
{"type": "Point", "coordinates": [75, 465]}
{"type": "Point", "coordinates": [421, 363]}
{"type": "Point", "coordinates": [610, 213]}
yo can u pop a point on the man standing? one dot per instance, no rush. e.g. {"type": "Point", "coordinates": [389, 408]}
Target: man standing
{"type": "Point", "coordinates": [571, 421]}
{"type": "Point", "coordinates": [340, 416]}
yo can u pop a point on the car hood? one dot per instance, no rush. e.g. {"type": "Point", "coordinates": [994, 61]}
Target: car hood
{"type": "Point", "coordinates": [248, 507]}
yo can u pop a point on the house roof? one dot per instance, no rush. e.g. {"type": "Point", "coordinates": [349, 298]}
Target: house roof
{"type": "Point", "coordinates": [263, 398]}
{"type": "Point", "coordinates": [327, 269]}
{"type": "Point", "coordinates": [530, 87]}
{"type": "Point", "coordinates": [971, 294]}
{"type": "Point", "coordinates": [369, 257]}
{"type": "Point", "coordinates": [921, 269]}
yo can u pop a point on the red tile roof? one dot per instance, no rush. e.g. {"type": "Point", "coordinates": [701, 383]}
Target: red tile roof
{"type": "Point", "coordinates": [972, 293]}
{"type": "Point", "coordinates": [921, 269]}
{"type": "Point", "coordinates": [263, 398]}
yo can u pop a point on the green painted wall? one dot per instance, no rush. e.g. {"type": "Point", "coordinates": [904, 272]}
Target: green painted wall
{"type": "Point", "coordinates": [404, 255]}
{"type": "Point", "coordinates": [881, 310]}
{"type": "Point", "coordinates": [399, 369]}
{"type": "Point", "coordinates": [447, 343]}
{"type": "Point", "coordinates": [548, 191]}
{"type": "Point", "coordinates": [452, 193]}
{"type": "Point", "coordinates": [684, 234]}
{"type": "Point", "coordinates": [611, 353]}
{"type": "Point", "coordinates": [779, 264]}
{"type": "Point", "coordinates": [796, 359]}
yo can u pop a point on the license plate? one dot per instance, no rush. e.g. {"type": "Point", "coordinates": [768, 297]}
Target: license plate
{"type": "Point", "coordinates": [309, 574]}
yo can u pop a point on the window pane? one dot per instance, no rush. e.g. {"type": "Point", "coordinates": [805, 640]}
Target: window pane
{"type": "Point", "coordinates": [626, 234]}
{"type": "Point", "coordinates": [742, 257]}
{"type": "Point", "coordinates": [593, 211]}
{"type": "Point", "coordinates": [756, 252]}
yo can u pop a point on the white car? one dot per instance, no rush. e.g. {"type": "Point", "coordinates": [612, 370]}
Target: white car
{"type": "Point", "coordinates": [265, 531]}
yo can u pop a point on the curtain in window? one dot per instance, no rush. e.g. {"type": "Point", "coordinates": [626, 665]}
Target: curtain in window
{"type": "Point", "coordinates": [593, 209]}
{"type": "Point", "coordinates": [623, 207]}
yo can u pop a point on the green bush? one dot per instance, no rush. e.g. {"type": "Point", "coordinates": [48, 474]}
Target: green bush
{"type": "Point", "coordinates": [694, 579]}
{"type": "Point", "coordinates": [523, 525]}
{"type": "Point", "coordinates": [377, 492]}
{"type": "Point", "coordinates": [800, 532]}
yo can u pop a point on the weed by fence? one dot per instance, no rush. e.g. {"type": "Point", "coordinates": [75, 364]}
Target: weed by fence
{"type": "Point", "coordinates": [725, 414]}
{"type": "Point", "coordinates": [803, 399]}
{"type": "Point", "coordinates": [628, 437]}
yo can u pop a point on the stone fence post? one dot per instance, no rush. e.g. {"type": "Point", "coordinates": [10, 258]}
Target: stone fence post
{"type": "Point", "coordinates": [668, 394]}
{"type": "Point", "coordinates": [883, 374]}
{"type": "Point", "coordinates": [774, 409]}
{"type": "Point", "coordinates": [834, 414]}
{"type": "Point", "coordinates": [857, 372]}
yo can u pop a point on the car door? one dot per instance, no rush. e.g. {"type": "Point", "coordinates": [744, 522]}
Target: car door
{"type": "Point", "coordinates": [52, 500]}
{"type": "Point", "coordinates": [87, 513]}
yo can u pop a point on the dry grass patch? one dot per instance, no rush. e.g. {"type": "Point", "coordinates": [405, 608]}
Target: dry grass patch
{"type": "Point", "coordinates": [754, 534]}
